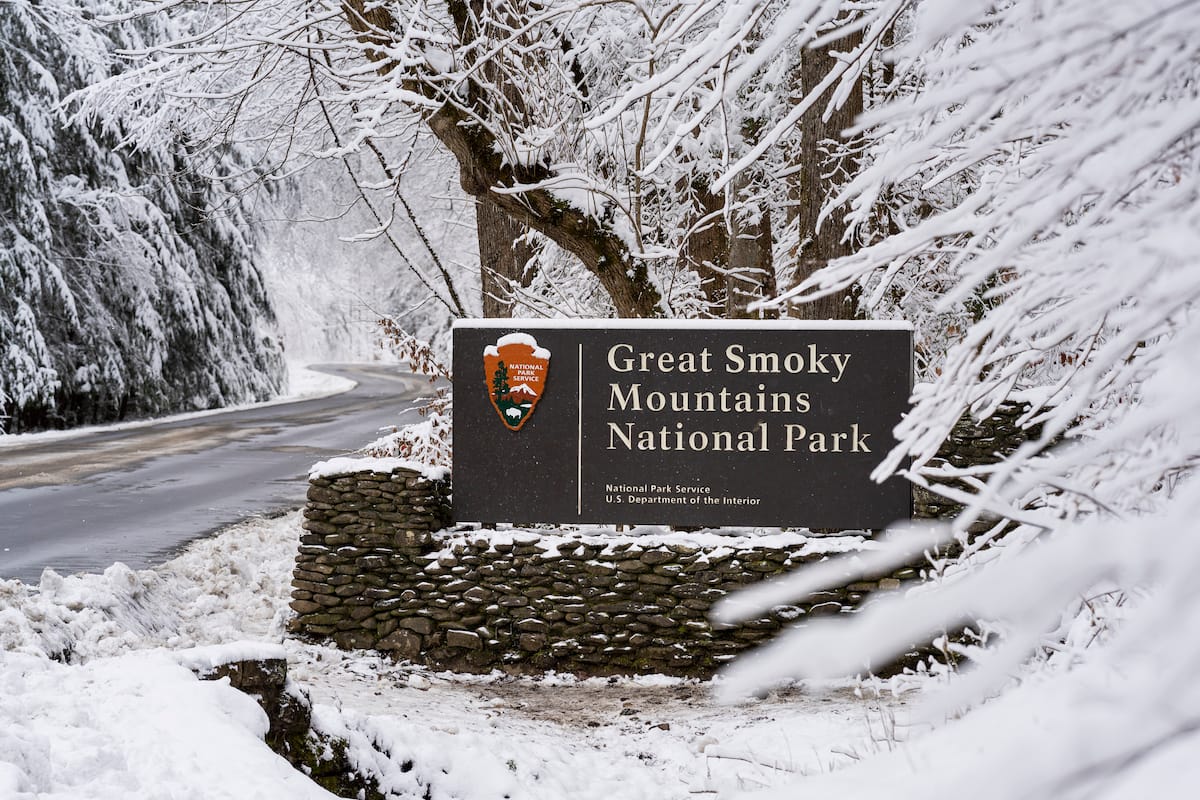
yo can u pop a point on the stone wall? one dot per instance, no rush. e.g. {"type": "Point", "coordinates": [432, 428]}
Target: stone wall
{"type": "Point", "coordinates": [373, 572]}
{"type": "Point", "coordinates": [377, 570]}
{"type": "Point", "coordinates": [358, 529]}
{"type": "Point", "coordinates": [974, 443]}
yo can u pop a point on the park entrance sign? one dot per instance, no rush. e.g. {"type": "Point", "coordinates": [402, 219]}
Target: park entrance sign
{"type": "Point", "coordinates": [704, 423]}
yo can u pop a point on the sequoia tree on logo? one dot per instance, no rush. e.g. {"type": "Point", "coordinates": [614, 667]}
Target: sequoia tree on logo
{"type": "Point", "coordinates": [515, 370]}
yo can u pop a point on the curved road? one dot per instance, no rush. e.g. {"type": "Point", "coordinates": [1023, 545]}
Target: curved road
{"type": "Point", "coordinates": [82, 502]}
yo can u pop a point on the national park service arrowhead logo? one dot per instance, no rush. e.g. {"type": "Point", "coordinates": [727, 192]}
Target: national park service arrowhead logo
{"type": "Point", "coordinates": [515, 369]}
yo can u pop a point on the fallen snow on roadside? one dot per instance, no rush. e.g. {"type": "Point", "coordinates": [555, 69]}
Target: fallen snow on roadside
{"type": "Point", "coordinates": [305, 383]}
{"type": "Point", "coordinates": [470, 737]}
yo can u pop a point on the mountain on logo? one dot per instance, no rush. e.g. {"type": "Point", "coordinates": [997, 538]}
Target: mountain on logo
{"type": "Point", "coordinates": [515, 369]}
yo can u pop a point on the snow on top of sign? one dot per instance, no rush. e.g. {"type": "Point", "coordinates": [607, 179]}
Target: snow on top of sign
{"type": "Point", "coordinates": [697, 324]}
{"type": "Point", "coordinates": [344, 465]}
{"type": "Point", "coordinates": [516, 338]}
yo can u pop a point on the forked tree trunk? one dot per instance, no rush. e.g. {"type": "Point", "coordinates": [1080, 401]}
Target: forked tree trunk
{"type": "Point", "coordinates": [734, 270]}
{"type": "Point", "coordinates": [482, 169]}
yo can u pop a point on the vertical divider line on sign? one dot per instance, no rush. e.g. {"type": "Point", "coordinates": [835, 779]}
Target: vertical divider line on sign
{"type": "Point", "coordinates": [579, 441]}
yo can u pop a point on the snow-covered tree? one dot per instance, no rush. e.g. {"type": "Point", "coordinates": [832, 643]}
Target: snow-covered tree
{"type": "Point", "coordinates": [1039, 161]}
{"type": "Point", "coordinates": [125, 289]}
{"type": "Point", "coordinates": [563, 117]}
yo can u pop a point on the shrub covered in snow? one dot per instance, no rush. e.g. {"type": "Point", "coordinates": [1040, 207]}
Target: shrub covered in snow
{"type": "Point", "coordinates": [426, 443]}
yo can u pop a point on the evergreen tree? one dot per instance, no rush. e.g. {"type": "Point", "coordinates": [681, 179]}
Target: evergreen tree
{"type": "Point", "coordinates": [122, 294]}
{"type": "Point", "coordinates": [500, 381]}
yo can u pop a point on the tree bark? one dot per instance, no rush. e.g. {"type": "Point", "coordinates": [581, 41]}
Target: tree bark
{"type": "Point", "coordinates": [811, 189]}
{"type": "Point", "coordinates": [706, 250]}
{"type": "Point", "coordinates": [504, 257]}
{"type": "Point", "coordinates": [752, 268]}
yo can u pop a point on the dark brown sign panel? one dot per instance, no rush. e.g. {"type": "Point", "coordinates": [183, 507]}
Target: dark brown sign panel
{"type": "Point", "coordinates": [669, 422]}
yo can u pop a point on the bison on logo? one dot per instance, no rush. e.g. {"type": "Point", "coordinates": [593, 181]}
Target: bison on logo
{"type": "Point", "coordinates": [515, 371]}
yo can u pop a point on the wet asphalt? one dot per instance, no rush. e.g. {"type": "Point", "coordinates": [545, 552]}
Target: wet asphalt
{"type": "Point", "coordinates": [78, 504]}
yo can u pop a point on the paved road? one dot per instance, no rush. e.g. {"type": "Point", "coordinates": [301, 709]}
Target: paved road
{"type": "Point", "coordinates": [137, 496]}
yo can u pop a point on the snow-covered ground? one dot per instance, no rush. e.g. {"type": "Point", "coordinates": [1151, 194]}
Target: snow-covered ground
{"type": "Point", "coordinates": [305, 383]}
{"type": "Point", "coordinates": [94, 703]}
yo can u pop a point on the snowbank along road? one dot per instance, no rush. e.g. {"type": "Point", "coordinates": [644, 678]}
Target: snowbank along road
{"type": "Point", "coordinates": [83, 501]}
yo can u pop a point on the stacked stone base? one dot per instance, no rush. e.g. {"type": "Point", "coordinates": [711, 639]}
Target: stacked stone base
{"type": "Point", "coordinates": [376, 570]}
{"type": "Point", "coordinates": [354, 527]}
{"type": "Point", "coordinates": [370, 575]}
{"type": "Point", "coordinates": [974, 443]}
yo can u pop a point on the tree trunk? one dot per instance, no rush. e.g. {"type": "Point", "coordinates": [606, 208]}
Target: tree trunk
{"type": "Point", "coordinates": [706, 250]}
{"type": "Point", "coordinates": [482, 169]}
{"type": "Point", "coordinates": [811, 188]}
{"type": "Point", "coordinates": [751, 264]}
{"type": "Point", "coordinates": [504, 257]}
{"type": "Point", "coordinates": [602, 252]}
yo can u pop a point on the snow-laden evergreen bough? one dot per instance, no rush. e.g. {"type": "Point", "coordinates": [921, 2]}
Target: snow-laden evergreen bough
{"type": "Point", "coordinates": [1054, 145]}
{"type": "Point", "coordinates": [124, 291]}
